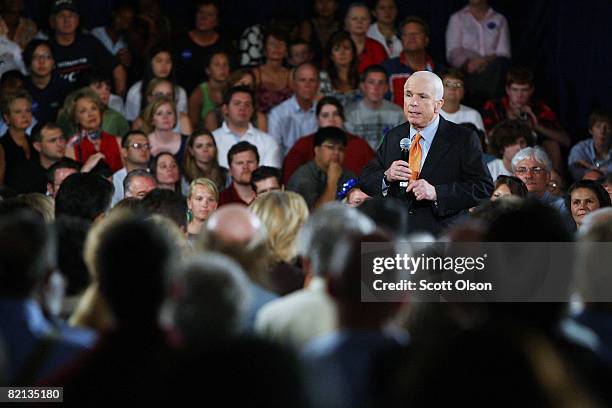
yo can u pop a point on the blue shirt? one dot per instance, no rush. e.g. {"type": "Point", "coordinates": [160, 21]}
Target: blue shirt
{"type": "Point", "coordinates": [585, 150]}
{"type": "Point", "coordinates": [288, 122]}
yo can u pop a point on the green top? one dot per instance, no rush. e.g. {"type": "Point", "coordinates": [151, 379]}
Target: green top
{"type": "Point", "coordinates": [112, 123]}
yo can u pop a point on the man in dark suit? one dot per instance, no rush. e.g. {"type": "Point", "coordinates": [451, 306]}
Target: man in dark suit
{"type": "Point", "coordinates": [445, 176]}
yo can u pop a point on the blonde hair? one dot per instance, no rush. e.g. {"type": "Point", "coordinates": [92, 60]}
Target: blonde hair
{"type": "Point", "coordinates": [149, 113]}
{"type": "Point", "coordinates": [69, 108]}
{"type": "Point", "coordinates": [40, 203]}
{"type": "Point", "coordinates": [206, 183]}
{"type": "Point", "coordinates": [283, 213]}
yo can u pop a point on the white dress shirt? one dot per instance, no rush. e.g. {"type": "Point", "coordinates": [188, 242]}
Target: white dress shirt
{"type": "Point", "coordinates": [268, 149]}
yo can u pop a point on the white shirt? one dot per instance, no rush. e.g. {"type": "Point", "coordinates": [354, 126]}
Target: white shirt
{"type": "Point", "coordinates": [298, 317]}
{"type": "Point", "coordinates": [101, 34]}
{"type": "Point", "coordinates": [268, 149]}
{"type": "Point", "coordinates": [132, 101]}
{"type": "Point", "coordinates": [288, 122]}
{"type": "Point", "coordinates": [116, 102]}
{"type": "Point", "coordinates": [10, 56]}
{"type": "Point", "coordinates": [396, 45]}
{"type": "Point", "coordinates": [497, 168]}
{"type": "Point", "coordinates": [465, 114]}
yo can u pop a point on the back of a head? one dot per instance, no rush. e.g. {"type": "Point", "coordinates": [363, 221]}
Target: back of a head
{"type": "Point", "coordinates": [210, 299]}
{"type": "Point", "coordinates": [167, 203]}
{"type": "Point", "coordinates": [324, 228]}
{"type": "Point", "coordinates": [592, 268]}
{"type": "Point", "coordinates": [84, 195]}
{"type": "Point", "coordinates": [25, 254]}
{"type": "Point", "coordinates": [132, 260]}
{"type": "Point", "coordinates": [71, 235]}
{"type": "Point", "coordinates": [387, 213]}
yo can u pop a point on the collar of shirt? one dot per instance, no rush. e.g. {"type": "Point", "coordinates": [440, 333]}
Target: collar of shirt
{"type": "Point", "coordinates": [238, 137]}
{"type": "Point", "coordinates": [428, 132]}
{"type": "Point", "coordinates": [295, 106]}
{"type": "Point", "coordinates": [489, 14]}
{"type": "Point", "coordinates": [429, 64]}
{"type": "Point", "coordinates": [593, 154]}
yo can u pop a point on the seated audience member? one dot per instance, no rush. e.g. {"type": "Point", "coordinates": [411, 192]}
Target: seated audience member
{"type": "Point", "coordinates": [138, 183]}
{"type": "Point", "coordinates": [373, 116]}
{"type": "Point", "coordinates": [120, 358]}
{"type": "Point", "coordinates": [594, 153]}
{"type": "Point", "coordinates": [272, 79]}
{"type": "Point", "coordinates": [299, 53]}
{"type": "Point", "coordinates": [201, 159]}
{"type": "Point", "coordinates": [238, 109]}
{"type": "Point", "coordinates": [606, 183]}
{"type": "Point", "coordinates": [329, 113]}
{"type": "Point", "coordinates": [238, 233]}
{"type": "Point", "coordinates": [26, 265]}
{"type": "Point", "coordinates": [77, 53]}
{"type": "Point", "coordinates": [37, 202]}
{"type": "Point", "coordinates": [533, 167]}
{"type": "Point", "coordinates": [356, 23]}
{"type": "Point", "coordinates": [243, 159]}
{"type": "Point", "coordinates": [84, 195]}
{"type": "Point", "coordinates": [244, 77]}
{"type": "Point", "coordinates": [166, 171]}
{"type": "Point", "coordinates": [210, 301]}
{"type": "Point", "coordinates": [319, 180]}
{"type": "Point", "coordinates": [304, 314]}
{"type": "Point", "coordinates": [318, 30]}
{"type": "Point", "coordinates": [517, 104]}
{"type": "Point", "coordinates": [50, 146]}
{"type": "Point", "coordinates": [15, 146]}
{"type": "Point", "coordinates": [388, 214]}
{"type": "Point", "coordinates": [507, 186]}
{"type": "Point", "coordinates": [47, 89]}
{"type": "Point", "coordinates": [341, 79]}
{"type": "Point", "coordinates": [169, 204]}
{"type": "Point", "coordinates": [453, 110]}
{"type": "Point", "coordinates": [265, 179]}
{"type": "Point", "coordinates": [136, 153]}
{"type": "Point", "coordinates": [202, 201]}
{"type": "Point", "coordinates": [11, 59]}
{"type": "Point", "coordinates": [556, 185]}
{"type": "Point", "coordinates": [507, 138]}
{"type": "Point", "coordinates": [57, 173]}
{"type": "Point", "coordinates": [208, 96]}
{"type": "Point", "coordinates": [383, 30]}
{"type": "Point", "coordinates": [114, 37]}
{"type": "Point", "coordinates": [478, 41]}
{"type": "Point", "coordinates": [355, 197]}
{"type": "Point", "coordinates": [414, 33]}
{"type": "Point", "coordinates": [340, 366]}
{"type": "Point", "coordinates": [583, 197]}
{"type": "Point", "coordinates": [14, 26]}
{"type": "Point", "coordinates": [85, 109]}
{"type": "Point", "coordinates": [114, 121]}
{"type": "Point", "coordinates": [283, 213]}
{"type": "Point", "coordinates": [159, 123]}
{"type": "Point", "coordinates": [158, 65]}
{"type": "Point", "coordinates": [296, 117]}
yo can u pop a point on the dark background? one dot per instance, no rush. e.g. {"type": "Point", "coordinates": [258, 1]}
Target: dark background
{"type": "Point", "coordinates": [568, 43]}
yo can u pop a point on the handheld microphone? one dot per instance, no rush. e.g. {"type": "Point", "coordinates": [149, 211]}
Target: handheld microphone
{"type": "Point", "coordinates": [405, 155]}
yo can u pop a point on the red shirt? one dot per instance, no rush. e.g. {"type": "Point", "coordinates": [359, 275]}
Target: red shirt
{"type": "Point", "coordinates": [108, 146]}
{"type": "Point", "coordinates": [358, 154]}
{"type": "Point", "coordinates": [373, 53]}
{"type": "Point", "coordinates": [229, 196]}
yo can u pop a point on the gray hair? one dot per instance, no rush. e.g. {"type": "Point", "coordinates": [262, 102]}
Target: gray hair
{"type": "Point", "coordinates": [434, 80]}
{"type": "Point", "coordinates": [592, 279]}
{"type": "Point", "coordinates": [325, 227]}
{"type": "Point", "coordinates": [593, 219]}
{"type": "Point", "coordinates": [127, 181]}
{"type": "Point", "coordinates": [534, 153]}
{"type": "Point", "coordinates": [212, 299]}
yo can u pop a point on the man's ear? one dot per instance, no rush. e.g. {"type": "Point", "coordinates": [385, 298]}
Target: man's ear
{"type": "Point", "coordinates": [37, 146]}
{"type": "Point", "coordinates": [438, 105]}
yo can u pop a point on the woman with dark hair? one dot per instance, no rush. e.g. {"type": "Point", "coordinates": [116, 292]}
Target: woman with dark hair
{"type": "Point", "coordinates": [158, 64]}
{"type": "Point", "coordinates": [208, 96]}
{"type": "Point", "coordinates": [165, 169]}
{"type": "Point", "coordinates": [506, 139]}
{"type": "Point", "coordinates": [585, 196]}
{"type": "Point", "coordinates": [200, 159]}
{"type": "Point", "coordinates": [272, 79]}
{"type": "Point", "coordinates": [509, 185]}
{"type": "Point", "coordinates": [341, 79]}
{"type": "Point", "coordinates": [318, 29]}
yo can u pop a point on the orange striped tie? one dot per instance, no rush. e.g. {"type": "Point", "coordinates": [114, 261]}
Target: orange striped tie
{"type": "Point", "coordinates": [414, 157]}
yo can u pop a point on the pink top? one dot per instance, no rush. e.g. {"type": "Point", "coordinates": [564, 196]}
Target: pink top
{"type": "Point", "coordinates": [467, 37]}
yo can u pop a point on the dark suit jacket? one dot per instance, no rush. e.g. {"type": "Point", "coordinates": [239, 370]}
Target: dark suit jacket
{"type": "Point", "coordinates": [453, 166]}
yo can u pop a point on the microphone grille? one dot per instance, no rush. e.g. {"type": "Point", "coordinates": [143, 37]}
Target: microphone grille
{"type": "Point", "coordinates": [405, 144]}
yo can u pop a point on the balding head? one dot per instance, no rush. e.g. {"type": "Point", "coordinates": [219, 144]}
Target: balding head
{"type": "Point", "coordinates": [432, 79]}
{"type": "Point", "coordinates": [236, 232]}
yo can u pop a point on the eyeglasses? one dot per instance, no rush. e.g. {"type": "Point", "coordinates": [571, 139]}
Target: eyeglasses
{"type": "Point", "coordinates": [453, 85]}
{"type": "Point", "coordinates": [534, 170]}
{"type": "Point", "coordinates": [139, 146]}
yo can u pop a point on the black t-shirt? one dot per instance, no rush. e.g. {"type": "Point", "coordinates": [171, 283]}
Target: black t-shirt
{"type": "Point", "coordinates": [84, 54]}
{"type": "Point", "coordinates": [46, 102]}
{"type": "Point", "coordinates": [191, 60]}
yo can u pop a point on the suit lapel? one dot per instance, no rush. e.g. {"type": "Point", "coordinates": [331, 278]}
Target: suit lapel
{"type": "Point", "coordinates": [438, 149]}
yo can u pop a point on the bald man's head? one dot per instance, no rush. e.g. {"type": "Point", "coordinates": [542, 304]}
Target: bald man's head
{"type": "Point", "coordinates": [234, 224]}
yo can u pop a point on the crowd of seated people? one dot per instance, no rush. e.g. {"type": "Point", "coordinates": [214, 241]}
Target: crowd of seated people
{"type": "Point", "coordinates": [180, 210]}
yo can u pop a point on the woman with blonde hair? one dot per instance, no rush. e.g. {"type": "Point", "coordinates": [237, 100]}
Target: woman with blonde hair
{"type": "Point", "coordinates": [159, 119]}
{"type": "Point", "coordinates": [200, 159]}
{"type": "Point", "coordinates": [283, 213]}
{"type": "Point", "coordinates": [202, 201]}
